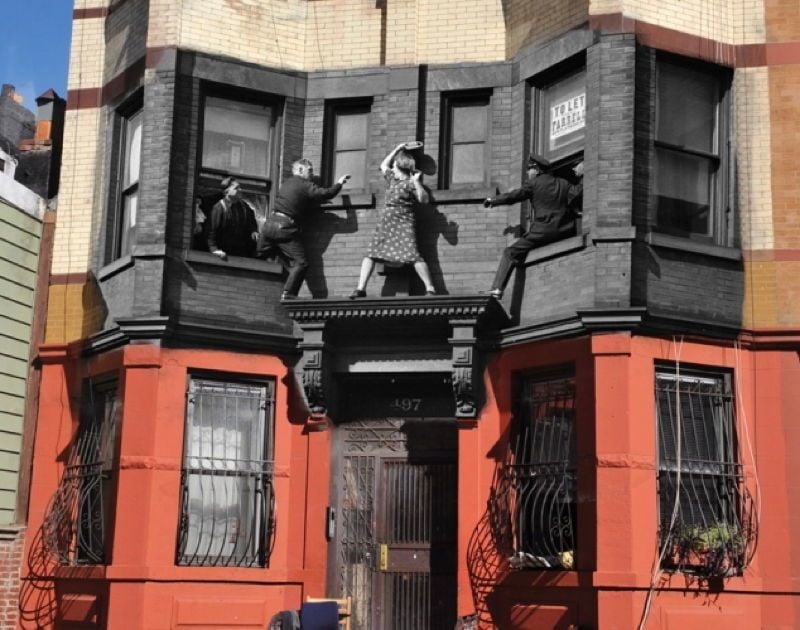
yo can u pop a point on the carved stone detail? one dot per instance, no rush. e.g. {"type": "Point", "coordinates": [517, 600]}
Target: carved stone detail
{"type": "Point", "coordinates": [464, 369]}
{"type": "Point", "coordinates": [314, 376]}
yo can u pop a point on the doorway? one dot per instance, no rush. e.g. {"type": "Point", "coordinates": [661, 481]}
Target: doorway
{"type": "Point", "coordinates": [395, 500]}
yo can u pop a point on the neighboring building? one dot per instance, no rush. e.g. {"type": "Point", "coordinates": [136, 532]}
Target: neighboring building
{"type": "Point", "coordinates": [22, 217]}
{"type": "Point", "coordinates": [611, 443]}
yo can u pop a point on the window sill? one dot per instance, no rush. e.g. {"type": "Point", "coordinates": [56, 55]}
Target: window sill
{"type": "Point", "coordinates": [472, 194]}
{"type": "Point", "coordinates": [114, 267]}
{"type": "Point", "coordinates": [231, 262]}
{"type": "Point", "coordinates": [559, 248]}
{"type": "Point", "coordinates": [344, 201]}
{"type": "Point", "coordinates": [667, 241]}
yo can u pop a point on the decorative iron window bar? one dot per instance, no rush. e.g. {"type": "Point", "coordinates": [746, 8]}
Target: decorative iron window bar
{"type": "Point", "coordinates": [534, 503]}
{"type": "Point", "coordinates": [707, 518]}
{"type": "Point", "coordinates": [228, 502]}
{"type": "Point", "coordinates": [77, 520]}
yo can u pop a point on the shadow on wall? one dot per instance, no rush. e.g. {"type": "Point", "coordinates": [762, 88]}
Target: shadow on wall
{"type": "Point", "coordinates": [317, 240]}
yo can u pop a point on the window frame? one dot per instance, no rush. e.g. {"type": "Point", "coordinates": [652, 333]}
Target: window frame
{"type": "Point", "coordinates": [539, 86]}
{"type": "Point", "coordinates": [333, 109]}
{"type": "Point", "coordinates": [207, 180]}
{"type": "Point", "coordinates": [121, 239]}
{"type": "Point", "coordinates": [79, 522]}
{"type": "Point", "coordinates": [263, 511]}
{"type": "Point", "coordinates": [562, 469]}
{"type": "Point", "coordinates": [720, 218]}
{"type": "Point", "coordinates": [724, 473]}
{"type": "Point", "coordinates": [448, 102]}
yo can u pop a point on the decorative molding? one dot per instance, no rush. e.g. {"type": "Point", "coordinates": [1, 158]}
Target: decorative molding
{"type": "Point", "coordinates": [467, 318]}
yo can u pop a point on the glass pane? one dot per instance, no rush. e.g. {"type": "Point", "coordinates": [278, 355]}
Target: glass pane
{"type": "Point", "coordinates": [129, 206]}
{"type": "Point", "coordinates": [683, 192]}
{"type": "Point", "coordinates": [468, 166]}
{"type": "Point", "coordinates": [236, 137]}
{"type": "Point", "coordinates": [351, 130]}
{"type": "Point", "coordinates": [687, 107]}
{"type": "Point", "coordinates": [353, 162]}
{"type": "Point", "coordinates": [562, 119]}
{"type": "Point", "coordinates": [133, 149]}
{"type": "Point", "coordinates": [469, 122]}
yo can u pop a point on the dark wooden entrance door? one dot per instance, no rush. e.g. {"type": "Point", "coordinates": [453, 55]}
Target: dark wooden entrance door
{"type": "Point", "coordinates": [395, 544]}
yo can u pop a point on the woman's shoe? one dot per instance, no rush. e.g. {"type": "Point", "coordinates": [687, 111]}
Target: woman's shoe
{"type": "Point", "coordinates": [430, 292]}
{"type": "Point", "coordinates": [358, 293]}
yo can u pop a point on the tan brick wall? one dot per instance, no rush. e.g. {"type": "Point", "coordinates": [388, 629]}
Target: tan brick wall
{"type": "Point", "coordinates": [401, 32]}
{"type": "Point", "coordinates": [728, 21]}
{"type": "Point", "coordinates": [760, 307]}
{"type": "Point", "coordinates": [75, 310]}
{"type": "Point", "coordinates": [468, 30]}
{"type": "Point", "coordinates": [751, 108]}
{"type": "Point", "coordinates": [81, 182]}
{"type": "Point", "coordinates": [343, 34]}
{"type": "Point", "coordinates": [783, 20]}
{"type": "Point", "coordinates": [87, 53]}
{"type": "Point", "coordinates": [532, 21]}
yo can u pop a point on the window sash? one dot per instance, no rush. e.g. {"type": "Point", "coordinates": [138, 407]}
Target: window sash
{"type": "Point", "coordinates": [346, 143]}
{"type": "Point", "coordinates": [227, 493]}
{"type": "Point", "coordinates": [561, 116]}
{"type": "Point", "coordinates": [689, 176]}
{"type": "Point", "coordinates": [467, 133]}
{"type": "Point", "coordinates": [130, 168]}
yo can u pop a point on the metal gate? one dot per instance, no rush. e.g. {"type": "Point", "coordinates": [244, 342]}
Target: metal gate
{"type": "Point", "coordinates": [396, 495]}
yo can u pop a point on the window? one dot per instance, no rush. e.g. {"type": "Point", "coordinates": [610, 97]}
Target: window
{"type": "Point", "coordinates": [705, 515]}
{"type": "Point", "coordinates": [79, 520]}
{"type": "Point", "coordinates": [539, 474]}
{"type": "Point", "coordinates": [560, 117]}
{"type": "Point", "coordinates": [690, 142]}
{"type": "Point", "coordinates": [239, 140]}
{"type": "Point", "coordinates": [227, 499]}
{"type": "Point", "coordinates": [465, 128]}
{"type": "Point", "coordinates": [128, 196]}
{"type": "Point", "coordinates": [346, 142]}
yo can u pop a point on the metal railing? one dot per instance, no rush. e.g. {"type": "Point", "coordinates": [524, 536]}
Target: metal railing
{"type": "Point", "coordinates": [227, 502]}
{"type": "Point", "coordinates": [707, 517]}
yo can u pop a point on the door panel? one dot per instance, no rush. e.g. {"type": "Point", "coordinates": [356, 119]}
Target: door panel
{"type": "Point", "coordinates": [396, 540]}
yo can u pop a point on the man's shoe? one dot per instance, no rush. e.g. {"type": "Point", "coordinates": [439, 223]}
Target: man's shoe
{"type": "Point", "coordinates": [495, 293]}
{"type": "Point", "coordinates": [430, 292]}
{"type": "Point", "coordinates": [358, 293]}
{"type": "Point", "coordinates": [287, 296]}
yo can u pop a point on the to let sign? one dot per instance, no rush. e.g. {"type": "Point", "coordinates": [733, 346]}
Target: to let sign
{"type": "Point", "coordinates": [567, 116]}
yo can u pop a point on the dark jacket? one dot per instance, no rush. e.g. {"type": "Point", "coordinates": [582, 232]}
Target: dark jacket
{"type": "Point", "coordinates": [231, 228]}
{"type": "Point", "coordinates": [554, 203]}
{"type": "Point", "coordinates": [300, 197]}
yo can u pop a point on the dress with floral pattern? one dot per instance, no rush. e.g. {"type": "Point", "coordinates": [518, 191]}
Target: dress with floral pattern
{"type": "Point", "coordinates": [395, 239]}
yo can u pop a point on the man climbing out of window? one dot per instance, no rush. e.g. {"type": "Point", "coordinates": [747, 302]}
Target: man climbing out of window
{"type": "Point", "coordinates": [555, 203]}
{"type": "Point", "coordinates": [298, 198]}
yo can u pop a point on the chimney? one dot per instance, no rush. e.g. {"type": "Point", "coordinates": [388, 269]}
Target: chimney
{"type": "Point", "coordinates": [49, 112]}
{"type": "Point", "coordinates": [9, 91]}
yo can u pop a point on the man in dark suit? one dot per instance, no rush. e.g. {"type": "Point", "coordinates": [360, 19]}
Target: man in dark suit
{"type": "Point", "coordinates": [555, 203]}
{"type": "Point", "coordinates": [233, 228]}
{"type": "Point", "coordinates": [298, 198]}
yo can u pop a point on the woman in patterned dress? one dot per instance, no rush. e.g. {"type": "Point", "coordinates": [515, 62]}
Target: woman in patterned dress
{"type": "Point", "coordinates": [395, 239]}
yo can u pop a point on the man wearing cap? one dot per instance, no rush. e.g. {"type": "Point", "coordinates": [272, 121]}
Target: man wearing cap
{"type": "Point", "coordinates": [298, 198]}
{"type": "Point", "coordinates": [555, 202]}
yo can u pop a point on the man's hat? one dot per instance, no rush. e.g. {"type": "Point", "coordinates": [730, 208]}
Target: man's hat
{"type": "Point", "coordinates": [538, 161]}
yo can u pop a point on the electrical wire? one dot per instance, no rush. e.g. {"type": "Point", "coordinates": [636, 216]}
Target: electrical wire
{"type": "Point", "coordinates": [664, 543]}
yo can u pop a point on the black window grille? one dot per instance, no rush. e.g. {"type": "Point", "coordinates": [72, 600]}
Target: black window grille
{"type": "Point", "coordinates": [537, 490]}
{"type": "Point", "coordinates": [227, 504]}
{"type": "Point", "coordinates": [78, 521]}
{"type": "Point", "coordinates": [706, 515]}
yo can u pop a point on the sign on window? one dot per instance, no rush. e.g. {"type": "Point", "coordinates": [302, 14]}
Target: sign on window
{"type": "Point", "coordinates": [567, 116]}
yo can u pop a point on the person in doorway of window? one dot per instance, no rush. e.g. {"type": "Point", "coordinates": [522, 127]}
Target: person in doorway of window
{"type": "Point", "coordinates": [555, 204]}
{"type": "Point", "coordinates": [298, 198]}
{"type": "Point", "coordinates": [232, 229]}
{"type": "Point", "coordinates": [395, 239]}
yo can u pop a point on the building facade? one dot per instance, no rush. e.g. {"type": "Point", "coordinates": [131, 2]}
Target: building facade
{"type": "Point", "coordinates": [608, 446]}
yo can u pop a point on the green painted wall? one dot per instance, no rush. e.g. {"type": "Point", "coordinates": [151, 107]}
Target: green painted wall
{"type": "Point", "coordinates": [20, 234]}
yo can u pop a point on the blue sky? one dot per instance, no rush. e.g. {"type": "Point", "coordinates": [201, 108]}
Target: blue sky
{"type": "Point", "coordinates": [34, 48]}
